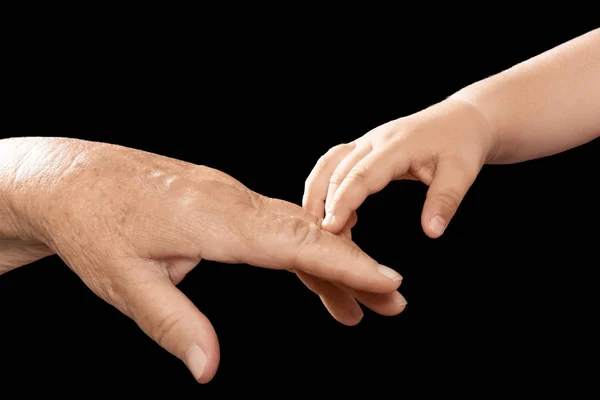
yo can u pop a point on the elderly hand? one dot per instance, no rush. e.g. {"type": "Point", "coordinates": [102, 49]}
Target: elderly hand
{"type": "Point", "coordinates": [132, 224]}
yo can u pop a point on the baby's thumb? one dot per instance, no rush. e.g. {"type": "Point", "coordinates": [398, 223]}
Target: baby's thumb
{"type": "Point", "coordinates": [446, 191]}
{"type": "Point", "coordinates": [165, 314]}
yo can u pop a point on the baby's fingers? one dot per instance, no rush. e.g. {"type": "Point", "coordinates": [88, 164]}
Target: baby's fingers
{"type": "Point", "coordinates": [368, 176]}
{"type": "Point", "coordinates": [315, 187]}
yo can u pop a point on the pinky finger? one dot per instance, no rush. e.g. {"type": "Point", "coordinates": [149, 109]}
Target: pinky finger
{"type": "Point", "coordinates": [339, 302]}
{"type": "Point", "coordinates": [387, 304]}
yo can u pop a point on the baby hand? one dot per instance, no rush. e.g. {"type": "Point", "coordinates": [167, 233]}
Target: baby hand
{"type": "Point", "coordinates": [443, 146]}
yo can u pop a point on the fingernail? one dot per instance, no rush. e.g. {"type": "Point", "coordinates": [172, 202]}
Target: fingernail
{"type": "Point", "coordinates": [400, 300]}
{"type": "Point", "coordinates": [390, 273]}
{"type": "Point", "coordinates": [356, 312]}
{"type": "Point", "coordinates": [437, 225]}
{"type": "Point", "coordinates": [195, 359]}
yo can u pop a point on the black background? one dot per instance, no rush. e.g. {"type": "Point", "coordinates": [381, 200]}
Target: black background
{"type": "Point", "coordinates": [508, 290]}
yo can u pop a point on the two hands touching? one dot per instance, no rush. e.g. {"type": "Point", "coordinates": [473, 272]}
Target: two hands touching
{"type": "Point", "coordinates": [132, 224]}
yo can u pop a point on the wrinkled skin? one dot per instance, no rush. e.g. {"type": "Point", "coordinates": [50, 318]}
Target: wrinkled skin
{"type": "Point", "coordinates": [132, 224]}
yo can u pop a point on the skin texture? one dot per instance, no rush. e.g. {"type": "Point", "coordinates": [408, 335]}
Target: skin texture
{"type": "Point", "coordinates": [543, 106]}
{"type": "Point", "coordinates": [132, 224]}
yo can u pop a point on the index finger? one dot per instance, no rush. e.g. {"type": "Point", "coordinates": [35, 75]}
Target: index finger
{"type": "Point", "coordinates": [339, 260]}
{"type": "Point", "coordinates": [285, 241]}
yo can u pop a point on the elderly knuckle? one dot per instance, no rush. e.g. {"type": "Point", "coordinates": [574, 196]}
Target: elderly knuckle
{"type": "Point", "coordinates": [254, 200]}
{"type": "Point", "coordinates": [304, 232]}
{"type": "Point", "coordinates": [311, 218]}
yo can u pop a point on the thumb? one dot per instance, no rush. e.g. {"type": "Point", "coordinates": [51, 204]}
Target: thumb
{"type": "Point", "coordinates": [165, 314]}
{"type": "Point", "coordinates": [448, 187]}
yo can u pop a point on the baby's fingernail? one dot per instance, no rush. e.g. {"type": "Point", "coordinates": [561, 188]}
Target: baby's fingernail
{"type": "Point", "coordinates": [195, 359]}
{"type": "Point", "coordinates": [437, 225]}
{"type": "Point", "coordinates": [390, 273]}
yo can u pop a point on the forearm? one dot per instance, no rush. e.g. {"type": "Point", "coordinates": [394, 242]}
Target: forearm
{"type": "Point", "coordinates": [545, 105]}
